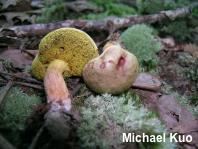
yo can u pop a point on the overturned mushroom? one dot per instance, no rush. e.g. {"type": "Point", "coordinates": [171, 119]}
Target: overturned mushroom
{"type": "Point", "coordinates": [114, 71]}
{"type": "Point", "coordinates": [62, 53]}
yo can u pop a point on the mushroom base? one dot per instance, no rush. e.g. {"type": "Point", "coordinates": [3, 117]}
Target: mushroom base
{"type": "Point", "coordinates": [55, 87]}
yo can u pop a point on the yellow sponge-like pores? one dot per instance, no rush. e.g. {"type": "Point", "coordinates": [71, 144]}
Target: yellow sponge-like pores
{"type": "Point", "coordinates": [70, 45]}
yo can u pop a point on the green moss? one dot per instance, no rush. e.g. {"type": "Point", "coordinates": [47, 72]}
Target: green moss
{"type": "Point", "coordinates": [141, 42]}
{"type": "Point", "coordinates": [169, 5]}
{"type": "Point", "coordinates": [110, 9]}
{"type": "Point", "coordinates": [181, 3]}
{"type": "Point", "coordinates": [195, 12]}
{"type": "Point", "coordinates": [107, 117]}
{"type": "Point", "coordinates": [27, 70]}
{"type": "Point", "coordinates": [191, 68]}
{"type": "Point", "coordinates": [15, 109]}
{"type": "Point", "coordinates": [178, 29]}
{"type": "Point", "coordinates": [93, 16]}
{"type": "Point", "coordinates": [152, 6]}
{"type": "Point", "coordinates": [81, 95]}
{"type": "Point", "coordinates": [8, 63]}
{"type": "Point", "coordinates": [52, 12]}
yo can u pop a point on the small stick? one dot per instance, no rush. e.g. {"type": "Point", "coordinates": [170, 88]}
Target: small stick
{"type": "Point", "coordinates": [29, 85]}
{"type": "Point", "coordinates": [15, 83]}
{"type": "Point", "coordinates": [6, 89]}
{"type": "Point", "coordinates": [86, 94]}
{"type": "Point", "coordinates": [20, 76]}
{"type": "Point", "coordinates": [37, 137]}
{"type": "Point", "coordinates": [4, 144]}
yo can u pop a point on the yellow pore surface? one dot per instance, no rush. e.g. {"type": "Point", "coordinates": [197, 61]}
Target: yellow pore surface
{"type": "Point", "coordinates": [70, 45]}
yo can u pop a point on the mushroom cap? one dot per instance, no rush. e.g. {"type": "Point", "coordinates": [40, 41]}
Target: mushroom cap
{"type": "Point", "coordinates": [108, 44]}
{"type": "Point", "coordinates": [114, 71]}
{"type": "Point", "coordinates": [68, 44]}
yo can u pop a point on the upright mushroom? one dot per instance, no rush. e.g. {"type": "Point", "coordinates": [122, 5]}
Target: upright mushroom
{"type": "Point", "coordinates": [114, 71]}
{"type": "Point", "coordinates": [62, 53]}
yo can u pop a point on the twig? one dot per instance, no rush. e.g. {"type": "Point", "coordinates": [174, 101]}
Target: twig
{"type": "Point", "coordinates": [83, 95]}
{"type": "Point", "coordinates": [6, 89]}
{"type": "Point", "coordinates": [99, 25]}
{"type": "Point", "coordinates": [15, 83]}
{"type": "Point", "coordinates": [4, 144]}
{"type": "Point", "coordinates": [20, 76]}
{"type": "Point", "coordinates": [37, 137]}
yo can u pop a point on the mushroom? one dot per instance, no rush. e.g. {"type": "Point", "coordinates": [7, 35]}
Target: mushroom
{"type": "Point", "coordinates": [108, 44]}
{"type": "Point", "coordinates": [62, 53]}
{"type": "Point", "coordinates": [113, 72]}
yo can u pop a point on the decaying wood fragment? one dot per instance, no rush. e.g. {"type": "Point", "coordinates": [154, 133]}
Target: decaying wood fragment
{"type": "Point", "coordinates": [6, 89]}
{"type": "Point", "coordinates": [99, 25]}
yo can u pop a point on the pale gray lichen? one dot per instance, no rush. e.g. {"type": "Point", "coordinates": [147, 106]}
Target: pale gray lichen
{"type": "Point", "coordinates": [107, 117]}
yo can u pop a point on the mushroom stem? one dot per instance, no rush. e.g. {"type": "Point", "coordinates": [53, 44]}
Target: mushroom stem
{"type": "Point", "coordinates": [55, 87]}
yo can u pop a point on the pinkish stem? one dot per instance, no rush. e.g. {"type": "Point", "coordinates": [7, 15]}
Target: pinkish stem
{"type": "Point", "coordinates": [55, 87]}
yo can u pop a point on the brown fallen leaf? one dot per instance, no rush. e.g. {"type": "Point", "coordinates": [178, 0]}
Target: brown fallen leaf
{"type": "Point", "coordinates": [186, 127]}
{"type": "Point", "coordinates": [15, 5]}
{"type": "Point", "coordinates": [9, 42]}
{"type": "Point", "coordinates": [192, 49]}
{"type": "Point", "coordinates": [19, 59]}
{"type": "Point", "coordinates": [172, 104]}
{"type": "Point", "coordinates": [22, 16]}
{"type": "Point", "coordinates": [168, 44]}
{"type": "Point", "coordinates": [194, 136]}
{"type": "Point", "coordinates": [152, 103]}
{"type": "Point", "coordinates": [147, 81]}
{"type": "Point", "coordinates": [167, 41]}
{"type": "Point", "coordinates": [167, 106]}
{"type": "Point", "coordinates": [30, 54]}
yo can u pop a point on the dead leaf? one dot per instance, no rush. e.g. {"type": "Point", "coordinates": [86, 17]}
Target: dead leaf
{"type": "Point", "coordinates": [30, 54]}
{"type": "Point", "coordinates": [172, 104]}
{"type": "Point", "coordinates": [22, 16]}
{"type": "Point", "coordinates": [192, 49]}
{"type": "Point", "coordinates": [194, 140]}
{"type": "Point", "coordinates": [147, 81]}
{"type": "Point", "coordinates": [169, 44]}
{"type": "Point", "coordinates": [7, 3]}
{"type": "Point", "coordinates": [186, 127]}
{"type": "Point", "coordinates": [168, 41]}
{"type": "Point", "coordinates": [16, 5]}
{"type": "Point", "coordinates": [9, 42]}
{"type": "Point", "coordinates": [19, 59]}
{"type": "Point", "coordinates": [153, 104]}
